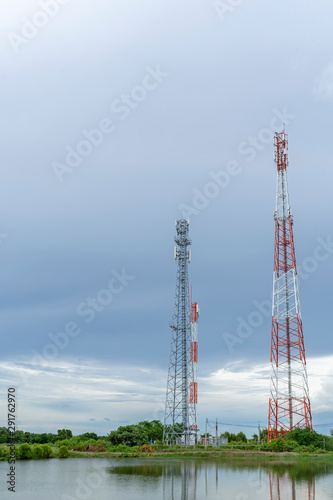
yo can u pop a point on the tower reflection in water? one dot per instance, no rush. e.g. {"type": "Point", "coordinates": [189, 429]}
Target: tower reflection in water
{"type": "Point", "coordinates": [200, 479]}
{"type": "Point", "coordinates": [283, 487]}
{"type": "Point", "coordinates": [180, 480]}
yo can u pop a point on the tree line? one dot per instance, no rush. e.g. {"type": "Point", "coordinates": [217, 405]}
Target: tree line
{"type": "Point", "coordinates": [151, 432]}
{"type": "Point", "coordinates": [34, 438]}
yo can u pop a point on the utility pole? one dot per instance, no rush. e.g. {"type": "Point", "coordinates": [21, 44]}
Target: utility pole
{"type": "Point", "coordinates": [216, 433]}
{"type": "Point", "coordinates": [289, 403]}
{"type": "Point", "coordinates": [259, 432]}
{"type": "Point", "coordinates": [206, 433]}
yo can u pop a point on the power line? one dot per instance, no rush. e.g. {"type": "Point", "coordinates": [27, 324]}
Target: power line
{"type": "Point", "coordinates": [211, 422]}
{"type": "Point", "coordinates": [233, 425]}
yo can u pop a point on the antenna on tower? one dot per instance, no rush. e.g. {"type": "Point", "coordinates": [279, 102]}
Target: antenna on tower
{"type": "Point", "coordinates": [289, 404]}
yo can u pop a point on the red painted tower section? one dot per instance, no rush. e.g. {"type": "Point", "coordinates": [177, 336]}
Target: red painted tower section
{"type": "Point", "coordinates": [194, 351]}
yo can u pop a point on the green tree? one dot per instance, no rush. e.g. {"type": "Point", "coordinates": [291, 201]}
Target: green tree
{"type": "Point", "coordinates": [19, 436]}
{"type": "Point", "coordinates": [129, 435]}
{"type": "Point", "coordinates": [231, 436]}
{"type": "Point", "coordinates": [154, 429]}
{"type": "Point", "coordinates": [43, 438]}
{"type": "Point", "coordinates": [39, 438]}
{"type": "Point", "coordinates": [241, 437]}
{"type": "Point", "coordinates": [88, 435]}
{"type": "Point", "coordinates": [264, 435]}
{"type": "Point", "coordinates": [51, 438]}
{"type": "Point", "coordinates": [64, 434]}
{"type": "Point", "coordinates": [226, 435]}
{"type": "Point", "coordinates": [24, 451]}
{"type": "Point", "coordinates": [4, 435]}
{"type": "Point", "coordinates": [27, 437]}
{"type": "Point", "coordinates": [306, 437]}
{"type": "Point", "coordinates": [63, 452]}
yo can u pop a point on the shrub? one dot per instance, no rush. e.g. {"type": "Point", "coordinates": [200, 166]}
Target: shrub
{"type": "Point", "coordinates": [282, 444]}
{"type": "Point", "coordinates": [277, 445]}
{"type": "Point", "coordinates": [37, 452]}
{"type": "Point", "coordinates": [63, 452]}
{"type": "Point", "coordinates": [47, 451]}
{"type": "Point", "coordinates": [78, 447]}
{"type": "Point", "coordinates": [74, 442]}
{"type": "Point", "coordinates": [112, 448]}
{"type": "Point", "coordinates": [122, 447]}
{"type": "Point", "coordinates": [291, 445]}
{"type": "Point", "coordinates": [306, 437]}
{"type": "Point", "coordinates": [24, 452]}
{"type": "Point", "coordinates": [64, 442]}
{"type": "Point", "coordinates": [4, 454]}
{"type": "Point", "coordinates": [101, 446]}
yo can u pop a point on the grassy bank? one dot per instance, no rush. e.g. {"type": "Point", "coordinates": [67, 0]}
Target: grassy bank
{"type": "Point", "coordinates": [225, 453]}
{"type": "Point", "coordinates": [213, 454]}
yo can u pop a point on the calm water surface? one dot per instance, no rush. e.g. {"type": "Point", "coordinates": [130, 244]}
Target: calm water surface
{"type": "Point", "coordinates": [167, 479]}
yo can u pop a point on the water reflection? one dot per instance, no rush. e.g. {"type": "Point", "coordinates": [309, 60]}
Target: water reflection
{"type": "Point", "coordinates": [239, 479]}
{"type": "Point", "coordinates": [284, 487]}
{"type": "Point", "coordinates": [296, 481]}
{"type": "Point", "coordinates": [180, 481]}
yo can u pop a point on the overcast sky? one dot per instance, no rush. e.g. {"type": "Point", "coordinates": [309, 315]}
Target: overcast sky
{"type": "Point", "coordinates": [115, 114]}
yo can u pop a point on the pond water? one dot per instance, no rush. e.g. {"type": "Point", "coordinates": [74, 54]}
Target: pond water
{"type": "Point", "coordinates": [167, 479]}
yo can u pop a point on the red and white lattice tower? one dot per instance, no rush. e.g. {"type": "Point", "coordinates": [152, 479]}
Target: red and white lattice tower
{"type": "Point", "coordinates": [289, 404]}
{"type": "Point", "coordinates": [194, 351]}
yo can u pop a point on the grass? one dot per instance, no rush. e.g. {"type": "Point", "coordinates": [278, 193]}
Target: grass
{"type": "Point", "coordinates": [199, 453]}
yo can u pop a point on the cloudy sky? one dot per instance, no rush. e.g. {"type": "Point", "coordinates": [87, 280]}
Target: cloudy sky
{"type": "Point", "coordinates": [117, 114]}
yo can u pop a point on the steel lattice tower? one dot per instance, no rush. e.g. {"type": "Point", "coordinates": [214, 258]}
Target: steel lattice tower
{"type": "Point", "coordinates": [180, 411]}
{"type": "Point", "coordinates": [289, 404]}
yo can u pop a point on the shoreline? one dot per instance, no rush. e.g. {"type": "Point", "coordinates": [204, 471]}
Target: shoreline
{"type": "Point", "coordinates": [201, 454]}
{"type": "Point", "coordinates": [257, 456]}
